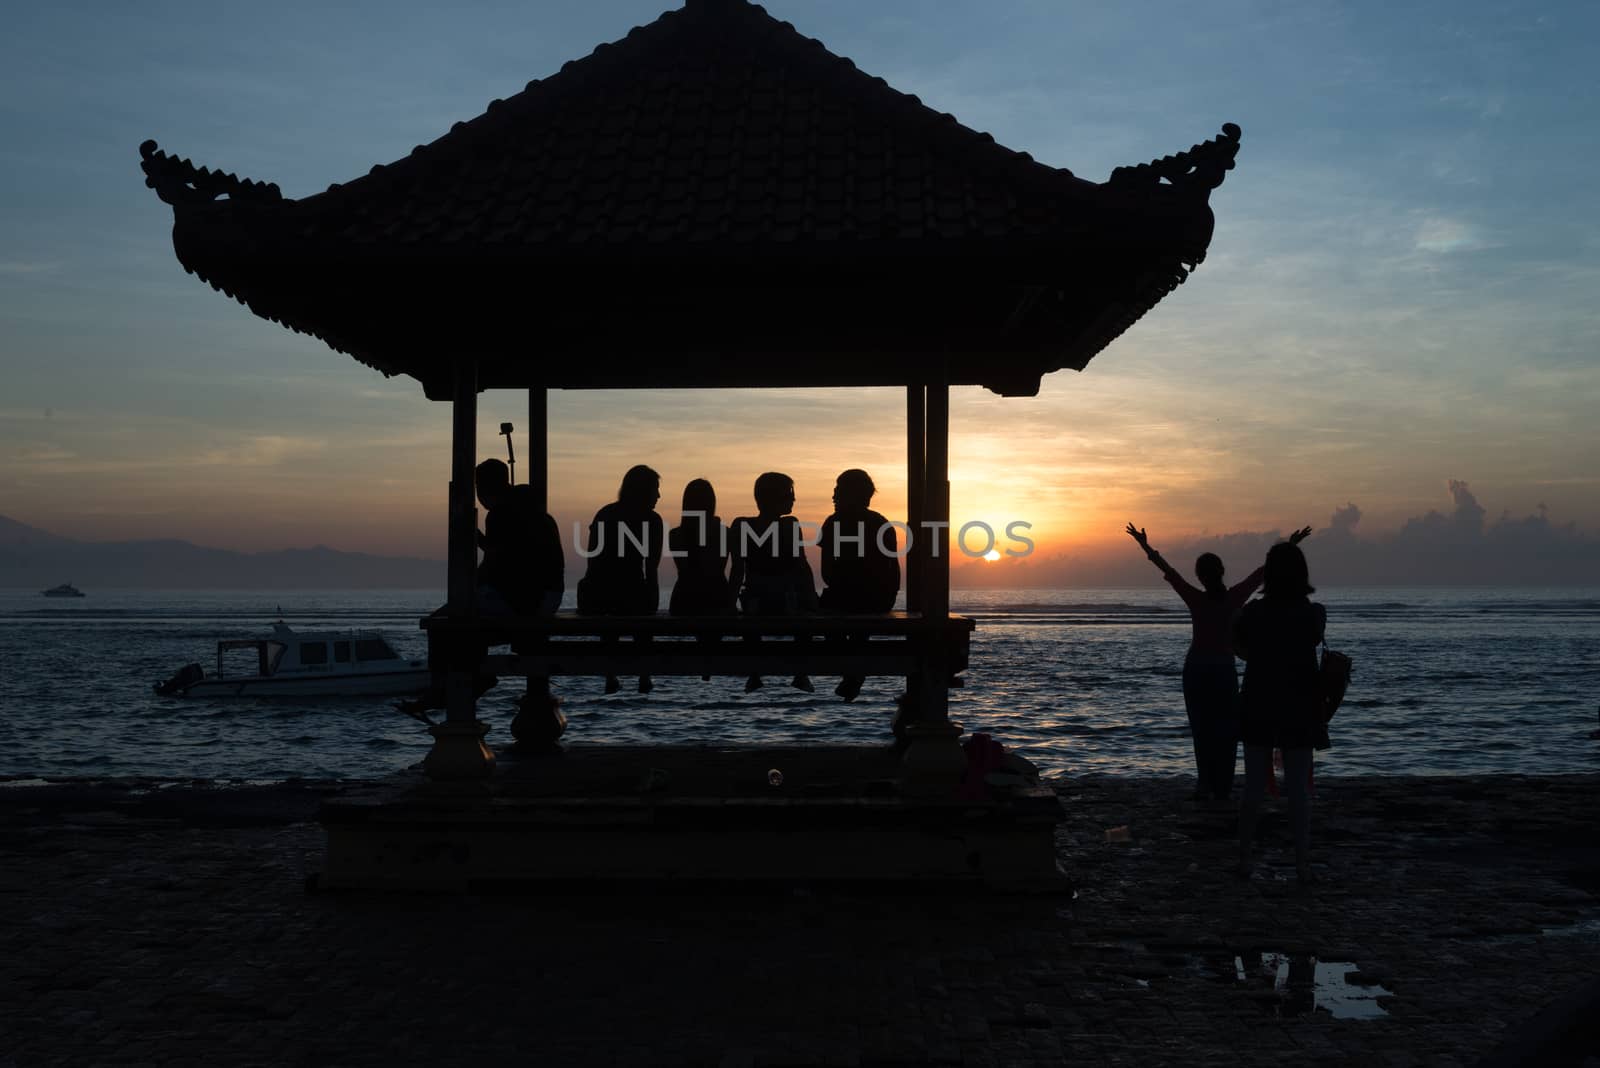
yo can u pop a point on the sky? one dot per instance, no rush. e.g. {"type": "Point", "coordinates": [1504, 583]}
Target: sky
{"type": "Point", "coordinates": [1398, 303]}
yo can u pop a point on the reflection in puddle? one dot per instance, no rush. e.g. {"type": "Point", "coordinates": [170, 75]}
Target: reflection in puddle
{"type": "Point", "coordinates": [1307, 983]}
{"type": "Point", "coordinates": [1303, 984]}
{"type": "Point", "coordinates": [1581, 929]}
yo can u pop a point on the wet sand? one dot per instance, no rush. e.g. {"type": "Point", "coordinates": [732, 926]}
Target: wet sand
{"type": "Point", "coordinates": [171, 924]}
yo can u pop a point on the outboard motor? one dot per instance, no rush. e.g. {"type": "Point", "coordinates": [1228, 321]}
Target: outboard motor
{"type": "Point", "coordinates": [186, 677]}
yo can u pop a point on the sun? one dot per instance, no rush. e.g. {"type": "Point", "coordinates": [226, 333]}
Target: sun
{"type": "Point", "coordinates": [992, 555]}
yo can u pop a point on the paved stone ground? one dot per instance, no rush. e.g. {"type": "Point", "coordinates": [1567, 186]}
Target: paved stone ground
{"type": "Point", "coordinates": [171, 926]}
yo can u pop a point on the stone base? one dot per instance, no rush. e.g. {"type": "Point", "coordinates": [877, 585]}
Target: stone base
{"type": "Point", "coordinates": [932, 761]}
{"type": "Point", "coordinates": [458, 754]}
{"type": "Point", "coordinates": [617, 815]}
{"type": "Point", "coordinates": [539, 722]}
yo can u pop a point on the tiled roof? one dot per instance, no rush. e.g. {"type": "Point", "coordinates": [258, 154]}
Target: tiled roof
{"type": "Point", "coordinates": [714, 133]}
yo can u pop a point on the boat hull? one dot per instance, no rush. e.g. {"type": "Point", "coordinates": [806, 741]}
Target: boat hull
{"type": "Point", "coordinates": [376, 684]}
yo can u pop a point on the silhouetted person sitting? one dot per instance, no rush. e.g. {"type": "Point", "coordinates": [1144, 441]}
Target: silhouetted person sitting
{"type": "Point", "coordinates": [1281, 702]}
{"type": "Point", "coordinates": [521, 573]}
{"type": "Point", "coordinates": [523, 568]}
{"type": "Point", "coordinates": [1210, 680]}
{"type": "Point", "coordinates": [522, 564]}
{"type": "Point", "coordinates": [860, 572]}
{"type": "Point", "coordinates": [770, 569]}
{"type": "Point", "coordinates": [624, 554]}
{"type": "Point", "coordinates": [698, 546]}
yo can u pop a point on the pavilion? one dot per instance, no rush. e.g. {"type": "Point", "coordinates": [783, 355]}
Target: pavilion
{"type": "Point", "coordinates": [713, 201]}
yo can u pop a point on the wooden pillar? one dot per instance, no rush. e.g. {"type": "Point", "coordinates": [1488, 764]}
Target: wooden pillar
{"type": "Point", "coordinates": [539, 721]}
{"type": "Point", "coordinates": [458, 753]}
{"type": "Point", "coordinates": [910, 703]}
{"type": "Point", "coordinates": [934, 762]}
{"type": "Point", "coordinates": [462, 551]}
{"type": "Point", "coordinates": [539, 447]}
{"type": "Point", "coordinates": [936, 562]}
{"type": "Point", "coordinates": [916, 465]}
{"type": "Point", "coordinates": [936, 504]}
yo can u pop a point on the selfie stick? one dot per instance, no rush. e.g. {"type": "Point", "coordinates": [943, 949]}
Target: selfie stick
{"type": "Point", "coordinates": [511, 453]}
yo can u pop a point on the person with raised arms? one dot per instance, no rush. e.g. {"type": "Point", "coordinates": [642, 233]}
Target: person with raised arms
{"type": "Point", "coordinates": [1210, 679]}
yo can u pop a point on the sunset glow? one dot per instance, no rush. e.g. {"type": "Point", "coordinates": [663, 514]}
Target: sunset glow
{"type": "Point", "coordinates": [1385, 306]}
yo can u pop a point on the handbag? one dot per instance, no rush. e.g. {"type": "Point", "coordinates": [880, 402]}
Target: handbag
{"type": "Point", "coordinates": [1333, 679]}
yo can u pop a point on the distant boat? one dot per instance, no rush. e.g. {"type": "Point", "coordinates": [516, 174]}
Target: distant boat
{"type": "Point", "coordinates": [66, 589]}
{"type": "Point", "coordinates": [343, 663]}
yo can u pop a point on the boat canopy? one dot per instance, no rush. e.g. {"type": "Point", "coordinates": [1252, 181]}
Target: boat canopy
{"type": "Point", "coordinates": [268, 653]}
{"type": "Point", "coordinates": [286, 649]}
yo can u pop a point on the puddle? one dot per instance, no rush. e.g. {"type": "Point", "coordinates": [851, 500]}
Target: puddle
{"type": "Point", "coordinates": [1589, 928]}
{"type": "Point", "coordinates": [1284, 984]}
{"type": "Point", "coordinates": [1307, 984]}
{"type": "Point", "coordinates": [1296, 984]}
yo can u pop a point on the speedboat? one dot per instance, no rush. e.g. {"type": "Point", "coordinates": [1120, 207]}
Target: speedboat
{"type": "Point", "coordinates": [343, 663]}
{"type": "Point", "coordinates": [66, 589]}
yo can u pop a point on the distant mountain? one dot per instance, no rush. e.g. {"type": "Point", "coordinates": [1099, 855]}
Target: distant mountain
{"type": "Point", "coordinates": [14, 535]}
{"type": "Point", "coordinates": [30, 557]}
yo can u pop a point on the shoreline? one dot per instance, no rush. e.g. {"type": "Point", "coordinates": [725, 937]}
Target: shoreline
{"type": "Point", "coordinates": [151, 923]}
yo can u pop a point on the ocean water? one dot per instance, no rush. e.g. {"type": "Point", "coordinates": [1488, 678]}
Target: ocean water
{"type": "Point", "coordinates": [1447, 681]}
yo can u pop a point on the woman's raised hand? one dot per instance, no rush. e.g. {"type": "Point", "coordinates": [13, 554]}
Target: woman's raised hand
{"type": "Point", "coordinates": [1299, 536]}
{"type": "Point", "coordinates": [1138, 535]}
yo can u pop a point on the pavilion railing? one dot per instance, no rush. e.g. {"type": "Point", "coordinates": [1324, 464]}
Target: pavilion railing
{"type": "Point", "coordinates": [897, 643]}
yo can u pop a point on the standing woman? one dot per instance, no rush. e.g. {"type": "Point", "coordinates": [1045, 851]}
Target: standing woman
{"type": "Point", "coordinates": [1281, 704]}
{"type": "Point", "coordinates": [1210, 682]}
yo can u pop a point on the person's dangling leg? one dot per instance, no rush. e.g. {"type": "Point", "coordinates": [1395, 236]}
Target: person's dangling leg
{"type": "Point", "coordinates": [1257, 766]}
{"type": "Point", "coordinates": [642, 645]}
{"type": "Point", "coordinates": [753, 683]}
{"type": "Point", "coordinates": [609, 648]}
{"type": "Point", "coordinates": [802, 681]}
{"type": "Point", "coordinates": [849, 687]}
{"type": "Point", "coordinates": [1296, 783]}
{"type": "Point", "coordinates": [703, 640]}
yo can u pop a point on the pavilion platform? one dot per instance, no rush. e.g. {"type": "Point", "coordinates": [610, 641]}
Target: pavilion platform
{"type": "Point", "coordinates": [607, 814]}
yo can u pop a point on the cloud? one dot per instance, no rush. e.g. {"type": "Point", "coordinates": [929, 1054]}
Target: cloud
{"type": "Point", "coordinates": [1457, 547]}
{"type": "Point", "coordinates": [27, 267]}
{"type": "Point", "coordinates": [1464, 524]}
{"type": "Point", "coordinates": [262, 450]}
{"type": "Point", "coordinates": [1449, 235]}
{"type": "Point", "coordinates": [1344, 520]}
{"type": "Point", "coordinates": [1461, 547]}
{"type": "Point", "coordinates": [44, 453]}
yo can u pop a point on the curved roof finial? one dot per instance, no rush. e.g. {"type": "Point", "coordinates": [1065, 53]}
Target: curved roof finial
{"type": "Point", "coordinates": [178, 181]}
{"type": "Point", "coordinates": [1200, 169]}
